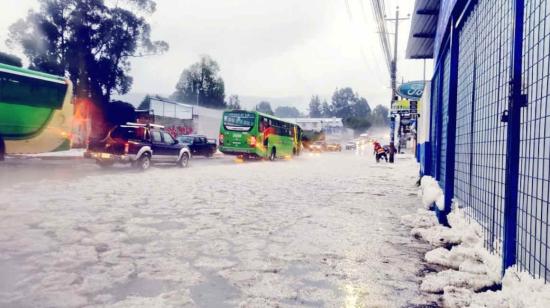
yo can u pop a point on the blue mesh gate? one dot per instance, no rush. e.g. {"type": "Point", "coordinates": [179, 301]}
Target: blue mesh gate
{"type": "Point", "coordinates": [501, 138]}
{"type": "Point", "coordinates": [482, 96]}
{"type": "Point", "coordinates": [533, 233]}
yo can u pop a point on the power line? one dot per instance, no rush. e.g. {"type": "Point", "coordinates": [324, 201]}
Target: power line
{"type": "Point", "coordinates": [378, 10]}
{"type": "Point", "coordinates": [361, 49]}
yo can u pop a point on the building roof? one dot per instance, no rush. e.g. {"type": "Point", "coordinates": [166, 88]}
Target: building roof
{"type": "Point", "coordinates": [423, 29]}
{"type": "Point", "coordinates": [331, 122]}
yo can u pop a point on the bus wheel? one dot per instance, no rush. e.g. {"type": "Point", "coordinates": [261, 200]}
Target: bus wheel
{"type": "Point", "coordinates": [273, 154]}
{"type": "Point", "coordinates": [2, 149]}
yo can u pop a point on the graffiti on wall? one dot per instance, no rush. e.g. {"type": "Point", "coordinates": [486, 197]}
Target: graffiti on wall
{"type": "Point", "coordinates": [178, 130]}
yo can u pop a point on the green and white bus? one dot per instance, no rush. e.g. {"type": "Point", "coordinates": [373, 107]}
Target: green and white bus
{"type": "Point", "coordinates": [36, 111]}
{"type": "Point", "coordinates": [253, 134]}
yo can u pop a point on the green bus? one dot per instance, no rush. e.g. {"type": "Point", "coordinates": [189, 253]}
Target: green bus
{"type": "Point", "coordinates": [36, 111]}
{"type": "Point", "coordinates": [253, 134]}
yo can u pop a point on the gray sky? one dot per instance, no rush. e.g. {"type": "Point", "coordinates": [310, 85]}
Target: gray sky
{"type": "Point", "coordinates": [283, 48]}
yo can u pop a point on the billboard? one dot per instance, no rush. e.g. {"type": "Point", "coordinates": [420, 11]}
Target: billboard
{"type": "Point", "coordinates": [404, 106]}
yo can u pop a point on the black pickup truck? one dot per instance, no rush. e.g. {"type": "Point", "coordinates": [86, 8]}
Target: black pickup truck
{"type": "Point", "coordinates": [138, 144]}
{"type": "Point", "coordinates": [199, 145]}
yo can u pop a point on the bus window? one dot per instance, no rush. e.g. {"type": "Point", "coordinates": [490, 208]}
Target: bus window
{"type": "Point", "coordinates": [264, 124]}
{"type": "Point", "coordinates": [239, 121]}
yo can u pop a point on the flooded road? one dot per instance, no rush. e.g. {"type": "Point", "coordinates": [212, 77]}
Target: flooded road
{"type": "Point", "coordinates": [316, 231]}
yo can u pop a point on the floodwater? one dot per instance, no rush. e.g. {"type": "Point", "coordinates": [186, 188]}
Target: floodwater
{"type": "Point", "coordinates": [320, 230]}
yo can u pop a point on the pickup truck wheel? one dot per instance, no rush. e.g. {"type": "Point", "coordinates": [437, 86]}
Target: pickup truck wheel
{"type": "Point", "coordinates": [184, 160]}
{"type": "Point", "coordinates": [144, 162]}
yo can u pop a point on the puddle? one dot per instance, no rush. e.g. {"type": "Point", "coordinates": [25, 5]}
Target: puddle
{"type": "Point", "coordinates": [167, 225]}
{"type": "Point", "coordinates": [11, 272]}
{"type": "Point", "coordinates": [142, 287]}
{"type": "Point", "coordinates": [214, 292]}
{"type": "Point", "coordinates": [301, 272]}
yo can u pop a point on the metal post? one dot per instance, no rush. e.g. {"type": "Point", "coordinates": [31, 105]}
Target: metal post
{"type": "Point", "coordinates": [393, 76]}
{"type": "Point", "coordinates": [451, 123]}
{"type": "Point", "coordinates": [513, 117]}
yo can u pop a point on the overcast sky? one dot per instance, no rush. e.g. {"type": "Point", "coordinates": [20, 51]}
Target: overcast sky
{"type": "Point", "coordinates": [283, 48]}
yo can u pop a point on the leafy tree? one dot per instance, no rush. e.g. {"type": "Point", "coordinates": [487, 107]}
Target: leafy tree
{"type": "Point", "coordinates": [380, 116]}
{"type": "Point", "coordinates": [358, 124]}
{"type": "Point", "coordinates": [264, 107]}
{"type": "Point", "coordinates": [315, 110]}
{"type": "Point", "coordinates": [201, 83]}
{"type": "Point", "coordinates": [326, 110]}
{"type": "Point", "coordinates": [287, 112]}
{"type": "Point", "coordinates": [234, 103]}
{"type": "Point", "coordinates": [10, 59]}
{"type": "Point", "coordinates": [341, 102]}
{"type": "Point", "coordinates": [352, 108]}
{"type": "Point", "coordinates": [361, 107]}
{"type": "Point", "coordinates": [90, 41]}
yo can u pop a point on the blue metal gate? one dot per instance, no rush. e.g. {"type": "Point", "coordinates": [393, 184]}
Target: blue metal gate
{"type": "Point", "coordinates": [533, 233]}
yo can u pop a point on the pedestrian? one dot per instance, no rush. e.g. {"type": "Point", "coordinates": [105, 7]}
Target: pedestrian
{"type": "Point", "coordinates": [393, 150]}
{"type": "Point", "coordinates": [379, 152]}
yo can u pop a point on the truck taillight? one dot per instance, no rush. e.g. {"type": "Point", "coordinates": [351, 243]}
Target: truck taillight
{"type": "Point", "coordinates": [220, 138]}
{"type": "Point", "coordinates": [126, 148]}
{"type": "Point", "coordinates": [252, 141]}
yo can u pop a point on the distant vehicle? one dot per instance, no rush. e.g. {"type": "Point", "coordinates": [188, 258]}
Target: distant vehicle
{"type": "Point", "coordinates": [253, 134]}
{"type": "Point", "coordinates": [36, 111]}
{"type": "Point", "coordinates": [140, 145]}
{"type": "Point", "coordinates": [318, 146]}
{"type": "Point", "coordinates": [199, 145]}
{"type": "Point", "coordinates": [351, 145]}
{"type": "Point", "coordinates": [334, 147]}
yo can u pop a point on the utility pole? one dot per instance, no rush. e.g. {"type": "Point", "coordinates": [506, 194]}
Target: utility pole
{"type": "Point", "coordinates": [393, 76]}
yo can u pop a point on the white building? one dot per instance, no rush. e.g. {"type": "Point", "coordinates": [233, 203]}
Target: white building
{"type": "Point", "coordinates": [184, 119]}
{"type": "Point", "coordinates": [328, 125]}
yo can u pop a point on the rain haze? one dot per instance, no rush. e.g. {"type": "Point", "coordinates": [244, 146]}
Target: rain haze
{"type": "Point", "coordinates": [289, 177]}
{"type": "Point", "coordinates": [280, 51]}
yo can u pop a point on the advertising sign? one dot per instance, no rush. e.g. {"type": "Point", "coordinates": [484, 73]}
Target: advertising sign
{"type": "Point", "coordinates": [411, 90]}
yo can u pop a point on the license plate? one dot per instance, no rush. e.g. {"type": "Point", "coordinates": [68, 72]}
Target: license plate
{"type": "Point", "coordinates": [105, 155]}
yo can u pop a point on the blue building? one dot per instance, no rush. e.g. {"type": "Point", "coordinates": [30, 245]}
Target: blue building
{"type": "Point", "coordinates": [487, 129]}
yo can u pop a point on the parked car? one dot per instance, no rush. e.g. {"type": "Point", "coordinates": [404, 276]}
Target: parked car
{"type": "Point", "coordinates": [318, 146]}
{"type": "Point", "coordinates": [351, 145]}
{"type": "Point", "coordinates": [334, 147]}
{"type": "Point", "coordinates": [140, 145]}
{"type": "Point", "coordinates": [199, 145]}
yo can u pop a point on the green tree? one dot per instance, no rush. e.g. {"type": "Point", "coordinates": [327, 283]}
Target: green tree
{"type": "Point", "coordinates": [380, 116]}
{"type": "Point", "coordinates": [10, 59]}
{"type": "Point", "coordinates": [287, 112]}
{"type": "Point", "coordinates": [315, 110]}
{"type": "Point", "coordinates": [264, 107]}
{"type": "Point", "coordinates": [90, 42]}
{"type": "Point", "coordinates": [200, 83]}
{"type": "Point", "coordinates": [342, 99]}
{"type": "Point", "coordinates": [326, 110]}
{"type": "Point", "coordinates": [352, 108]}
{"type": "Point", "coordinates": [233, 103]}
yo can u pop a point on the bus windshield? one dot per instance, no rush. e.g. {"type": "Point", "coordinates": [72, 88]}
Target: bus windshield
{"type": "Point", "coordinates": [239, 121]}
